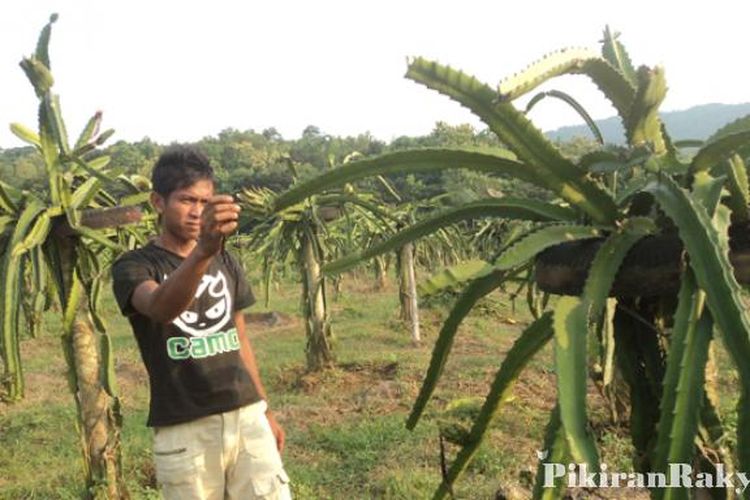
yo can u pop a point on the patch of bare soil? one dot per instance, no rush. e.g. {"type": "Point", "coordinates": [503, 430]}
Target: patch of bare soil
{"type": "Point", "coordinates": [260, 322]}
{"type": "Point", "coordinates": [469, 345]}
{"type": "Point", "coordinates": [365, 285]}
{"type": "Point", "coordinates": [41, 387]}
{"type": "Point", "coordinates": [132, 379]}
{"type": "Point", "coordinates": [49, 384]}
{"type": "Point", "coordinates": [536, 389]}
{"type": "Point", "coordinates": [348, 388]}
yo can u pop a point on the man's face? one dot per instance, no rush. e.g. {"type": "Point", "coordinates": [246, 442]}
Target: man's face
{"type": "Point", "coordinates": [181, 211]}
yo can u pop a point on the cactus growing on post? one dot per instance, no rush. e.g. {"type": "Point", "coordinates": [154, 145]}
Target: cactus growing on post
{"type": "Point", "coordinates": [68, 232]}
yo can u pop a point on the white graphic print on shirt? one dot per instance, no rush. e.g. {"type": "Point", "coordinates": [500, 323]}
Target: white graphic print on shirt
{"type": "Point", "coordinates": [204, 324]}
{"type": "Point", "coordinates": [200, 323]}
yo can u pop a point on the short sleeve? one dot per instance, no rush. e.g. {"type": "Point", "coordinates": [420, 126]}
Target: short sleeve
{"type": "Point", "coordinates": [128, 272]}
{"type": "Point", "coordinates": [243, 294]}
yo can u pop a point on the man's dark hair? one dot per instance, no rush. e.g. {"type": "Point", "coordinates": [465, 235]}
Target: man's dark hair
{"type": "Point", "coordinates": [179, 167]}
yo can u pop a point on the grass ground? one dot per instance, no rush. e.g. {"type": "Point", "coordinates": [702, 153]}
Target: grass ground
{"type": "Point", "coordinates": [345, 426]}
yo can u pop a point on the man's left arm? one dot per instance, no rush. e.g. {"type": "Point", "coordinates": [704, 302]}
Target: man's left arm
{"type": "Point", "coordinates": [248, 357]}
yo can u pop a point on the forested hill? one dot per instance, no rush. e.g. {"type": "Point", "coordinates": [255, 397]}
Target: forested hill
{"type": "Point", "coordinates": [697, 122]}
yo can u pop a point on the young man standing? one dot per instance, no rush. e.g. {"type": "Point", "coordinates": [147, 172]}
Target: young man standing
{"type": "Point", "coordinates": [214, 437]}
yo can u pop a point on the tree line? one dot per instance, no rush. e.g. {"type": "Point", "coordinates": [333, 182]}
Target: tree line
{"type": "Point", "coordinates": [267, 160]}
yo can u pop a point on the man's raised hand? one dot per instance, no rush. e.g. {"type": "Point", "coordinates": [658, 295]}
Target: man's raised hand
{"type": "Point", "coordinates": [218, 220]}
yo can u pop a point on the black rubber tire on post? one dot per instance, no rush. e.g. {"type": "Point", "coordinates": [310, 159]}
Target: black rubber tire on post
{"type": "Point", "coordinates": [651, 268]}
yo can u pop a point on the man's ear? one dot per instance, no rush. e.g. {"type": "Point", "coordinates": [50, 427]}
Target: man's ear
{"type": "Point", "coordinates": [158, 202]}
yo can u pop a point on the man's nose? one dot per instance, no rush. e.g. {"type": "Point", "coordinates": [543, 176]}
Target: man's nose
{"type": "Point", "coordinates": [196, 209]}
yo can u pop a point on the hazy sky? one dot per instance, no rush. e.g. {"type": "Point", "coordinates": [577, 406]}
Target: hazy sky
{"type": "Point", "coordinates": [182, 70]}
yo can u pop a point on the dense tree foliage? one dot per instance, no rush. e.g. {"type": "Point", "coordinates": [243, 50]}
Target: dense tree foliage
{"type": "Point", "coordinates": [266, 159]}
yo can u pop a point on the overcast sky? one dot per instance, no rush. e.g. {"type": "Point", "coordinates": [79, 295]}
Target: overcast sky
{"type": "Point", "coordinates": [179, 71]}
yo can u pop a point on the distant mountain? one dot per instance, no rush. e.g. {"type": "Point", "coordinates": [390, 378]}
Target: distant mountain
{"type": "Point", "coordinates": [698, 122]}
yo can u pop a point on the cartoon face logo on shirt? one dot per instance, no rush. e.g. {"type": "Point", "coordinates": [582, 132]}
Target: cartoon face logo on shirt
{"type": "Point", "coordinates": [216, 312]}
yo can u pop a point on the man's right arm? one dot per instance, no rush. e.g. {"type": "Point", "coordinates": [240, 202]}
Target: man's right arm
{"type": "Point", "coordinates": [164, 302]}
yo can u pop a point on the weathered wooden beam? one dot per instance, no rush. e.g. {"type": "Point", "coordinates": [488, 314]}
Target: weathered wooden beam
{"type": "Point", "coordinates": [100, 218]}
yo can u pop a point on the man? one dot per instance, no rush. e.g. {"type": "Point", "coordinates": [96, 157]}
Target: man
{"type": "Point", "coordinates": [183, 295]}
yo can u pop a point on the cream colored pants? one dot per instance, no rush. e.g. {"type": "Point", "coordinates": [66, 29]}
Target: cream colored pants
{"type": "Point", "coordinates": [230, 455]}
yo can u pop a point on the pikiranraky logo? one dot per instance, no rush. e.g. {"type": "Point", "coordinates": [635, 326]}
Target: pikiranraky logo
{"type": "Point", "coordinates": [677, 475]}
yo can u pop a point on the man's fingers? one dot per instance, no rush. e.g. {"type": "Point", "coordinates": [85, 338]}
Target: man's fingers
{"type": "Point", "coordinates": [211, 213]}
{"type": "Point", "coordinates": [220, 198]}
{"type": "Point", "coordinates": [220, 203]}
{"type": "Point", "coordinates": [224, 207]}
{"type": "Point", "coordinates": [225, 216]}
{"type": "Point", "coordinates": [228, 228]}
{"type": "Point", "coordinates": [220, 215]}
{"type": "Point", "coordinates": [215, 224]}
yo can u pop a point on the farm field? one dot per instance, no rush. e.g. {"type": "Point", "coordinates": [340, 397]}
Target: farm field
{"type": "Point", "coordinates": [345, 427]}
{"type": "Point", "coordinates": [636, 369]}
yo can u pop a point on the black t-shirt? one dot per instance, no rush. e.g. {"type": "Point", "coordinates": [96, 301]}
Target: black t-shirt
{"type": "Point", "coordinates": [193, 363]}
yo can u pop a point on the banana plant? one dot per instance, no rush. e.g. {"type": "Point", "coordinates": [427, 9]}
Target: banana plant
{"type": "Point", "coordinates": [64, 239]}
{"type": "Point", "coordinates": [657, 344]}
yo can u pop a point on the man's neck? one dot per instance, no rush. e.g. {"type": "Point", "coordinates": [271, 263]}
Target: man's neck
{"type": "Point", "coordinates": [175, 245]}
